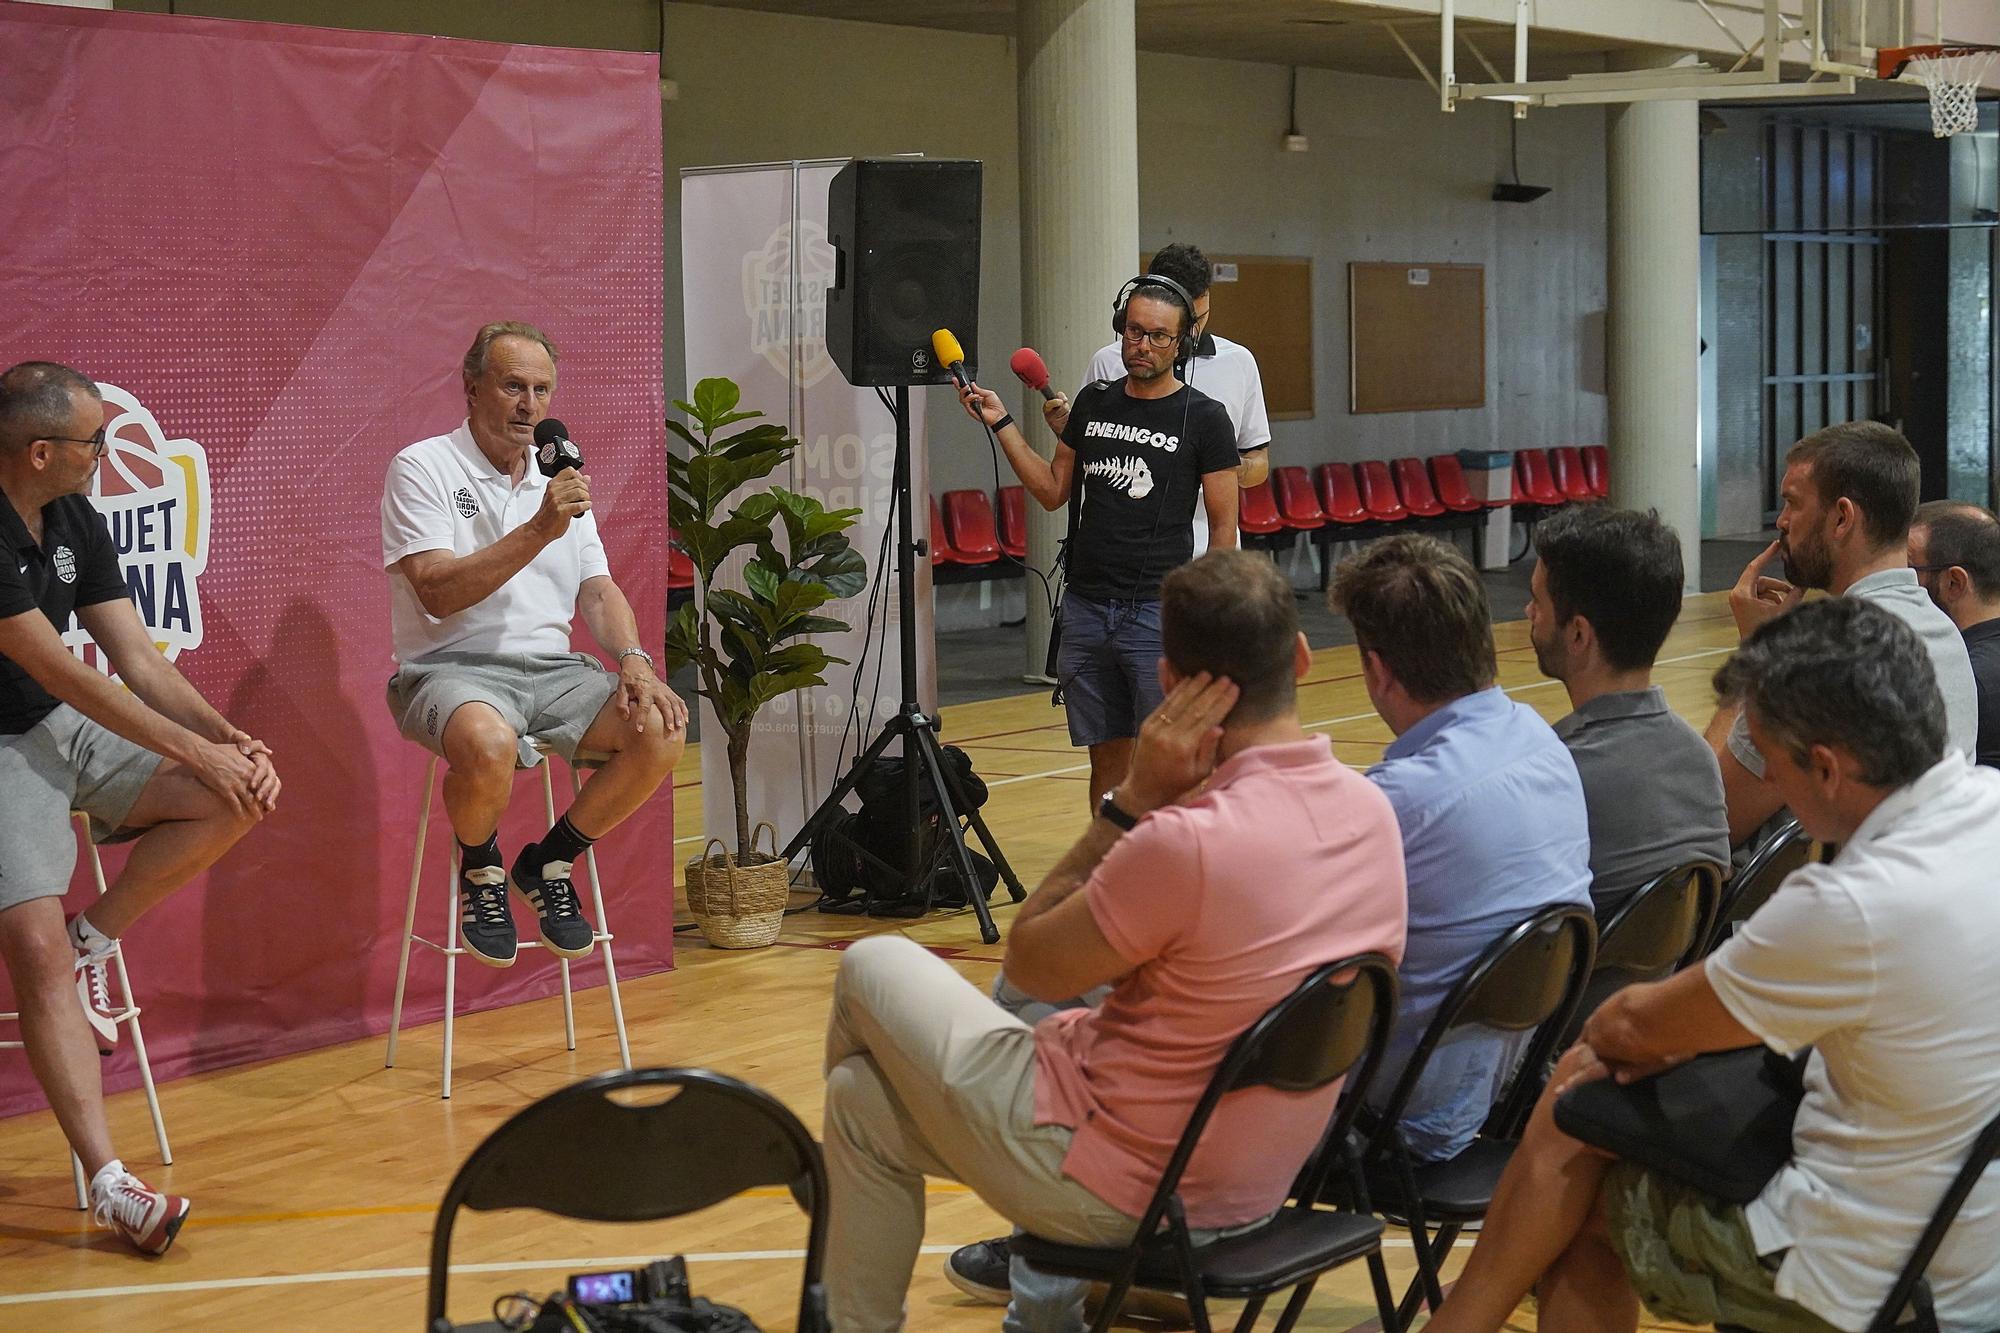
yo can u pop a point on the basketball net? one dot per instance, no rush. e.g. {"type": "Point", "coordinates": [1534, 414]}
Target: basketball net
{"type": "Point", "coordinates": [1952, 77]}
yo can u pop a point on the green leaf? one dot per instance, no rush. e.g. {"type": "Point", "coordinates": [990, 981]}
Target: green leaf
{"type": "Point", "coordinates": [762, 580]}
{"type": "Point", "coordinates": [682, 431]}
{"type": "Point", "coordinates": [793, 599]}
{"type": "Point", "coordinates": [715, 398]}
{"type": "Point", "coordinates": [816, 625]}
{"type": "Point", "coordinates": [683, 638]}
{"type": "Point", "coordinates": [843, 572]}
{"type": "Point", "coordinates": [758, 439]}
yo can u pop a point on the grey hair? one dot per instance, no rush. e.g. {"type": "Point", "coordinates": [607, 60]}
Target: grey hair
{"type": "Point", "coordinates": [474, 364]}
{"type": "Point", "coordinates": [1842, 673]}
{"type": "Point", "coordinates": [35, 400]}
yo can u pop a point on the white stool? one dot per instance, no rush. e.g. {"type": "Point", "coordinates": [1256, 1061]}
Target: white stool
{"type": "Point", "coordinates": [452, 949]}
{"type": "Point", "coordinates": [126, 1013]}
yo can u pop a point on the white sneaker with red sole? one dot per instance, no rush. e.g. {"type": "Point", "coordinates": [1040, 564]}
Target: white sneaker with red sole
{"type": "Point", "coordinates": [93, 990]}
{"type": "Point", "coordinates": [147, 1219]}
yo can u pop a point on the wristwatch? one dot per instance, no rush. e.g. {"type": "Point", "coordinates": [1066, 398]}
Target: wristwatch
{"type": "Point", "coordinates": [639, 652]}
{"type": "Point", "coordinates": [1109, 810]}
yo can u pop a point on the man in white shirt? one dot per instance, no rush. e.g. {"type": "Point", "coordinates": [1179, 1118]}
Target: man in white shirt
{"type": "Point", "coordinates": [488, 563]}
{"type": "Point", "coordinates": [1224, 370]}
{"type": "Point", "coordinates": [1849, 495]}
{"type": "Point", "coordinates": [1875, 961]}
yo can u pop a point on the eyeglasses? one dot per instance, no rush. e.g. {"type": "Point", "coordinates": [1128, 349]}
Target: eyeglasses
{"type": "Point", "coordinates": [1132, 333]}
{"type": "Point", "coordinates": [96, 442]}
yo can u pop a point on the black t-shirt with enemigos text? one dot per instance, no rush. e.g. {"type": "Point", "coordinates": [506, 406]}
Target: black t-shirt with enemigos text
{"type": "Point", "coordinates": [1140, 462]}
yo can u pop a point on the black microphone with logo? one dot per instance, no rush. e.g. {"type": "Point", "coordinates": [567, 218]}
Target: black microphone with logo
{"type": "Point", "coordinates": [553, 449]}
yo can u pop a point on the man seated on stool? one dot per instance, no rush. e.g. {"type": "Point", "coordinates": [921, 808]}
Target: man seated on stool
{"type": "Point", "coordinates": [1605, 591]}
{"type": "Point", "coordinates": [150, 761]}
{"type": "Point", "coordinates": [1235, 856]}
{"type": "Point", "coordinates": [488, 562]}
{"type": "Point", "coordinates": [1491, 813]}
{"type": "Point", "coordinates": [1955, 551]}
{"type": "Point", "coordinates": [1848, 496]}
{"type": "Point", "coordinates": [1882, 961]}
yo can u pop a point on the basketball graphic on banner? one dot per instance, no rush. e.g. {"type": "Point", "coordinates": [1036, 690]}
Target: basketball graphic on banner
{"type": "Point", "coordinates": [155, 498]}
{"type": "Point", "coordinates": [767, 295]}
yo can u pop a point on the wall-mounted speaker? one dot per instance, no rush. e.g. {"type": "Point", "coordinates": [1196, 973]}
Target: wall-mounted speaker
{"type": "Point", "coordinates": [905, 236]}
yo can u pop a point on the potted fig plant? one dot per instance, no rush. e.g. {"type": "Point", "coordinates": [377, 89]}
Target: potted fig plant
{"type": "Point", "coordinates": [748, 647]}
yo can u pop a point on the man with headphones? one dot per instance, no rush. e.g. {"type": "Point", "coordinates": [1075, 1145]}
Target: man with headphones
{"type": "Point", "coordinates": [1226, 371]}
{"type": "Point", "coordinates": [1140, 451]}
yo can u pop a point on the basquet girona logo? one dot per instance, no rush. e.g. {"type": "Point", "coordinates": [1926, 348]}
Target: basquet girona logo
{"type": "Point", "coordinates": [767, 300]}
{"type": "Point", "coordinates": [154, 495]}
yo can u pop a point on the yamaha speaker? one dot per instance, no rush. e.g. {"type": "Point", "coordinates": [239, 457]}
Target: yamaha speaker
{"type": "Point", "coordinates": [905, 235]}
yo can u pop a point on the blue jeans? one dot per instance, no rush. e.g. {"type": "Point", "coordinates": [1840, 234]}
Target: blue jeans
{"type": "Point", "coordinates": [1109, 667]}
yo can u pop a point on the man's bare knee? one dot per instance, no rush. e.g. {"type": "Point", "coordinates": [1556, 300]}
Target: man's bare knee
{"type": "Point", "coordinates": [479, 743]}
{"type": "Point", "coordinates": [39, 956]}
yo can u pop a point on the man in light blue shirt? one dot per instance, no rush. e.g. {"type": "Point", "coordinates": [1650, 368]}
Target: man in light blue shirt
{"type": "Point", "coordinates": [1491, 810]}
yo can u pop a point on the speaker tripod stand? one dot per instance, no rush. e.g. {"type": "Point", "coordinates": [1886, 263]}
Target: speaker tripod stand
{"type": "Point", "coordinates": [923, 756]}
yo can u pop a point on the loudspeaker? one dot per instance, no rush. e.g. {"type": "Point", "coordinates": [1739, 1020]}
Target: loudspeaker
{"type": "Point", "coordinates": [905, 236]}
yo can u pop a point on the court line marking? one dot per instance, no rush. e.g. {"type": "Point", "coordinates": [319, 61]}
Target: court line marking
{"type": "Point", "coordinates": [584, 1264]}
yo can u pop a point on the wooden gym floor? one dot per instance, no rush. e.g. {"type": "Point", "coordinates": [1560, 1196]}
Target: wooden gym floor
{"type": "Point", "coordinates": [315, 1177]}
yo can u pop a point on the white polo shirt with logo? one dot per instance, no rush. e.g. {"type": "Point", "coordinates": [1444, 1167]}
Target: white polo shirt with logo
{"type": "Point", "coordinates": [1226, 372]}
{"type": "Point", "coordinates": [443, 494]}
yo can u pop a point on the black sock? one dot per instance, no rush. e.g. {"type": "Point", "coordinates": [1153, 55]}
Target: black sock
{"type": "Point", "coordinates": [562, 843]}
{"type": "Point", "coordinates": [486, 854]}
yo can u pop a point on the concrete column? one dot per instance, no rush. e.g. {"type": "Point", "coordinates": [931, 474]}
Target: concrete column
{"type": "Point", "coordinates": [1652, 332]}
{"type": "Point", "coordinates": [1079, 94]}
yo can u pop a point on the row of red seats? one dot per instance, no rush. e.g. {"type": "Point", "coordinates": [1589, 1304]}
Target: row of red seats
{"type": "Point", "coordinates": [1365, 498]}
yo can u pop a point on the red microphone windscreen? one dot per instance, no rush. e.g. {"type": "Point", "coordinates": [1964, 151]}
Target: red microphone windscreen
{"type": "Point", "coordinates": [1027, 364]}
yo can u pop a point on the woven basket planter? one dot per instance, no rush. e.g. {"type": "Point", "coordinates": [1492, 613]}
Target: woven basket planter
{"type": "Point", "coordinates": [739, 906]}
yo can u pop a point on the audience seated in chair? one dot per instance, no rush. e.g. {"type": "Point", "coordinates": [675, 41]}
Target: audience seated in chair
{"type": "Point", "coordinates": [1848, 495]}
{"type": "Point", "coordinates": [1604, 593]}
{"type": "Point", "coordinates": [1870, 960]}
{"type": "Point", "coordinates": [1955, 550]}
{"type": "Point", "coordinates": [1235, 856]}
{"type": "Point", "coordinates": [1492, 815]}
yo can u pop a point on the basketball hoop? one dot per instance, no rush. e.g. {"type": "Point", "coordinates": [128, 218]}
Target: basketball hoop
{"type": "Point", "coordinates": [1951, 74]}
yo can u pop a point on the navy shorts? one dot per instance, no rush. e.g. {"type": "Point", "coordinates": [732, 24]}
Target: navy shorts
{"type": "Point", "coordinates": [1109, 667]}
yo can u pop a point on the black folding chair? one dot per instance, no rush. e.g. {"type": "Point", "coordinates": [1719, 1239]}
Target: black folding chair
{"type": "Point", "coordinates": [1911, 1294]}
{"type": "Point", "coordinates": [1660, 928]}
{"type": "Point", "coordinates": [1532, 977]}
{"type": "Point", "coordinates": [584, 1153]}
{"type": "Point", "coordinates": [1335, 1020]}
{"type": "Point", "coordinates": [1782, 850]}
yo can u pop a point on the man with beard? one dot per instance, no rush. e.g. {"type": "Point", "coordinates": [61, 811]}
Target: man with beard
{"type": "Point", "coordinates": [1848, 498]}
{"type": "Point", "coordinates": [1605, 591]}
{"type": "Point", "coordinates": [1955, 550]}
{"type": "Point", "coordinates": [1140, 451]}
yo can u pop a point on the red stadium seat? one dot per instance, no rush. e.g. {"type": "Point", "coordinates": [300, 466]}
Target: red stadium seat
{"type": "Point", "coordinates": [1414, 485]}
{"type": "Point", "coordinates": [1453, 491]}
{"type": "Point", "coordinates": [1339, 497]}
{"type": "Point", "coordinates": [1258, 514]}
{"type": "Point", "coordinates": [941, 551]}
{"type": "Point", "coordinates": [1597, 469]}
{"type": "Point", "coordinates": [680, 569]}
{"type": "Point", "coordinates": [1298, 506]}
{"type": "Point", "coordinates": [1378, 492]}
{"type": "Point", "coordinates": [1566, 466]}
{"type": "Point", "coordinates": [968, 521]}
{"type": "Point", "coordinates": [1534, 483]}
{"type": "Point", "coordinates": [1014, 521]}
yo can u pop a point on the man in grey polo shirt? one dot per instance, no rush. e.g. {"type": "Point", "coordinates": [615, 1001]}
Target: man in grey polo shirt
{"type": "Point", "coordinates": [1605, 591]}
{"type": "Point", "coordinates": [1849, 495]}
{"type": "Point", "coordinates": [489, 562]}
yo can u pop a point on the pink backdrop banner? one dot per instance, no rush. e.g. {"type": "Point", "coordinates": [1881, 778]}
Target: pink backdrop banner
{"type": "Point", "coordinates": [272, 245]}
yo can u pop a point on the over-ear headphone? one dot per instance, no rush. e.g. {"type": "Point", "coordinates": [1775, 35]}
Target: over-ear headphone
{"type": "Point", "coordinates": [1185, 347]}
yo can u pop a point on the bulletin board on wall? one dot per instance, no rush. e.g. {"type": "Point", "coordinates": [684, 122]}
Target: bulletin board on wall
{"type": "Point", "coordinates": [1416, 336]}
{"type": "Point", "coordinates": [1265, 303]}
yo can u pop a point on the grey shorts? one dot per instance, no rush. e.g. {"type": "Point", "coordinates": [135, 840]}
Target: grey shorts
{"type": "Point", "coordinates": [64, 762]}
{"type": "Point", "coordinates": [549, 697]}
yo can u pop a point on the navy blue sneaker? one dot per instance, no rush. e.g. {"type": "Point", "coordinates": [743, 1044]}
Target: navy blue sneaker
{"type": "Point", "coordinates": [547, 888]}
{"type": "Point", "coordinates": [484, 922]}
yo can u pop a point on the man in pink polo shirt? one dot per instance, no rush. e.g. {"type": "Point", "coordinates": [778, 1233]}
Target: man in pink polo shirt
{"type": "Point", "coordinates": [1235, 857]}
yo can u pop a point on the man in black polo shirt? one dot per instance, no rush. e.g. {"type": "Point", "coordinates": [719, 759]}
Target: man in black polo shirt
{"type": "Point", "coordinates": [1955, 549]}
{"type": "Point", "coordinates": [1148, 447]}
{"type": "Point", "coordinates": [150, 761]}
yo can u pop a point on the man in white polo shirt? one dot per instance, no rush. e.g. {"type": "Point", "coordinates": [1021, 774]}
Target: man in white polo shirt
{"type": "Point", "coordinates": [1224, 370]}
{"type": "Point", "coordinates": [488, 563]}
{"type": "Point", "coordinates": [1880, 962]}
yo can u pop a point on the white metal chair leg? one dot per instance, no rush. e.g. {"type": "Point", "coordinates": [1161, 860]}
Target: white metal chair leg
{"type": "Point", "coordinates": [410, 913]}
{"type": "Point", "coordinates": [549, 812]}
{"type": "Point", "coordinates": [604, 938]}
{"type": "Point", "coordinates": [76, 1176]}
{"type": "Point", "coordinates": [451, 952]}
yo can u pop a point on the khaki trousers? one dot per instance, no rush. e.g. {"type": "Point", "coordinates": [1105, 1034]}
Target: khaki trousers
{"type": "Point", "coordinates": [926, 1076]}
